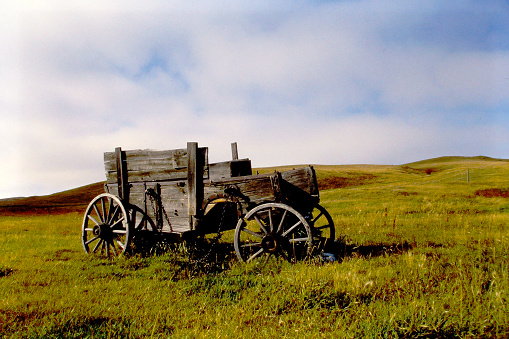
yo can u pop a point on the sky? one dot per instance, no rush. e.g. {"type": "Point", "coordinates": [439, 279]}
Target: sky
{"type": "Point", "coordinates": [292, 82]}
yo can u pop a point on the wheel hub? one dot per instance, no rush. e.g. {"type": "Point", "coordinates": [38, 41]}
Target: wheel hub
{"type": "Point", "coordinates": [102, 231]}
{"type": "Point", "coordinates": [270, 243]}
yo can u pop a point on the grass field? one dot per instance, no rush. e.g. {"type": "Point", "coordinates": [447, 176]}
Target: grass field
{"type": "Point", "coordinates": [422, 252]}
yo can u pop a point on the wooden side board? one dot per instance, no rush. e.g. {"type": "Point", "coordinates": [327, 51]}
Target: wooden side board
{"type": "Point", "coordinates": [151, 165]}
{"type": "Point", "coordinates": [290, 186]}
{"type": "Point", "coordinates": [230, 169]}
{"type": "Point", "coordinates": [165, 203]}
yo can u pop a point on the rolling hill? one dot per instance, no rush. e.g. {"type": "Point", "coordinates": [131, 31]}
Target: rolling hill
{"type": "Point", "coordinates": [329, 177]}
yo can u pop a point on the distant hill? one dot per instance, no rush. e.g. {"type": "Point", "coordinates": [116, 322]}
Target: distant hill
{"type": "Point", "coordinates": [63, 202]}
{"type": "Point", "coordinates": [329, 177]}
{"type": "Point", "coordinates": [454, 160]}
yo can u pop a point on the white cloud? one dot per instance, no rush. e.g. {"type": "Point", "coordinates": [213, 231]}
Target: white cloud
{"type": "Point", "coordinates": [306, 82]}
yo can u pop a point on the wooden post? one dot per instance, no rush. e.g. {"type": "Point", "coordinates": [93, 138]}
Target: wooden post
{"type": "Point", "coordinates": [194, 183]}
{"type": "Point", "coordinates": [122, 180]}
{"type": "Point", "coordinates": [235, 152]}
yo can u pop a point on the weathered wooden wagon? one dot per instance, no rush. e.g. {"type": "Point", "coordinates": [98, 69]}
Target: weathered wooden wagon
{"type": "Point", "coordinates": [179, 193]}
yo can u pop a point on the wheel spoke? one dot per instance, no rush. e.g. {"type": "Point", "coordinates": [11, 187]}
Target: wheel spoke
{"type": "Point", "coordinates": [110, 209]}
{"type": "Point", "coordinates": [292, 228]}
{"type": "Point", "coordinates": [281, 223]}
{"type": "Point", "coordinates": [99, 243]}
{"type": "Point", "coordinates": [88, 229]}
{"type": "Point", "coordinates": [114, 250]}
{"type": "Point", "coordinates": [251, 244]}
{"type": "Point", "coordinates": [140, 225]}
{"type": "Point", "coordinates": [98, 213]}
{"type": "Point", "coordinates": [120, 244]}
{"type": "Point", "coordinates": [114, 215]}
{"type": "Point", "coordinates": [262, 226]}
{"type": "Point", "coordinates": [119, 221]}
{"type": "Point", "coordinates": [103, 206]}
{"type": "Point", "coordinates": [93, 219]}
{"type": "Point", "coordinates": [271, 225]}
{"type": "Point", "coordinates": [91, 240]}
{"type": "Point", "coordinates": [119, 231]}
{"type": "Point", "coordinates": [258, 235]}
{"type": "Point", "coordinates": [318, 217]}
{"type": "Point", "coordinates": [255, 255]}
{"type": "Point", "coordinates": [298, 240]}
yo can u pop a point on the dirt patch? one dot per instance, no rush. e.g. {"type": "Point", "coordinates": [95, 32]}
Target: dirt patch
{"type": "Point", "coordinates": [341, 182]}
{"type": "Point", "coordinates": [493, 193]}
{"type": "Point", "coordinates": [427, 170]}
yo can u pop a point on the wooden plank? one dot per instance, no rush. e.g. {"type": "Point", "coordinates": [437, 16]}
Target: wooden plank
{"type": "Point", "coordinates": [235, 152]}
{"type": "Point", "coordinates": [121, 177]}
{"type": "Point", "coordinates": [150, 165]}
{"type": "Point", "coordinates": [168, 209]}
{"type": "Point", "coordinates": [194, 183]}
{"type": "Point", "coordinates": [229, 169]}
{"type": "Point", "coordinates": [294, 186]}
{"type": "Point", "coordinates": [304, 178]}
{"type": "Point", "coordinates": [143, 158]}
{"type": "Point", "coordinates": [248, 189]}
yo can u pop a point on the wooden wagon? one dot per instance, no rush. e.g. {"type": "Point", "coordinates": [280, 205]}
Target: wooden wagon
{"type": "Point", "coordinates": [179, 193]}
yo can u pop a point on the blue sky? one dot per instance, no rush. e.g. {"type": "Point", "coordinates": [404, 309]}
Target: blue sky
{"type": "Point", "coordinates": [293, 82]}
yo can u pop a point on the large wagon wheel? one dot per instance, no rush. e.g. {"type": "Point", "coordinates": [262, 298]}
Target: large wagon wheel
{"type": "Point", "coordinates": [272, 229]}
{"type": "Point", "coordinates": [105, 228]}
{"type": "Point", "coordinates": [322, 228]}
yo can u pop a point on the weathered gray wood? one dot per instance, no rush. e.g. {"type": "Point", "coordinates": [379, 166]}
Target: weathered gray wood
{"type": "Point", "coordinates": [295, 186]}
{"type": "Point", "coordinates": [169, 212]}
{"type": "Point", "coordinates": [150, 165]}
{"type": "Point", "coordinates": [303, 178]}
{"type": "Point", "coordinates": [249, 189]}
{"type": "Point", "coordinates": [235, 152]}
{"type": "Point", "coordinates": [169, 186]}
{"type": "Point", "coordinates": [229, 169]}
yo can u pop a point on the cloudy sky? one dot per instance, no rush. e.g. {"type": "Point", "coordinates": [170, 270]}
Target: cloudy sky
{"type": "Point", "coordinates": [293, 82]}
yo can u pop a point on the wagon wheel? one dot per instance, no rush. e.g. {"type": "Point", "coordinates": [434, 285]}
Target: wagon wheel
{"type": "Point", "coordinates": [105, 228]}
{"type": "Point", "coordinates": [145, 237]}
{"type": "Point", "coordinates": [272, 229]}
{"type": "Point", "coordinates": [322, 228]}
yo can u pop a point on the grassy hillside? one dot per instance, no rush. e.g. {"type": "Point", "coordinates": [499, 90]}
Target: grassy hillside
{"type": "Point", "coordinates": [421, 252]}
{"type": "Point", "coordinates": [63, 202]}
{"type": "Point", "coordinates": [329, 177]}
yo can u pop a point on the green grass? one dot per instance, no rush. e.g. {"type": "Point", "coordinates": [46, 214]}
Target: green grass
{"type": "Point", "coordinates": [421, 253]}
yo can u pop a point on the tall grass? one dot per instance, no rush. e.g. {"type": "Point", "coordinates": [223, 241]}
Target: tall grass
{"type": "Point", "coordinates": [418, 255]}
